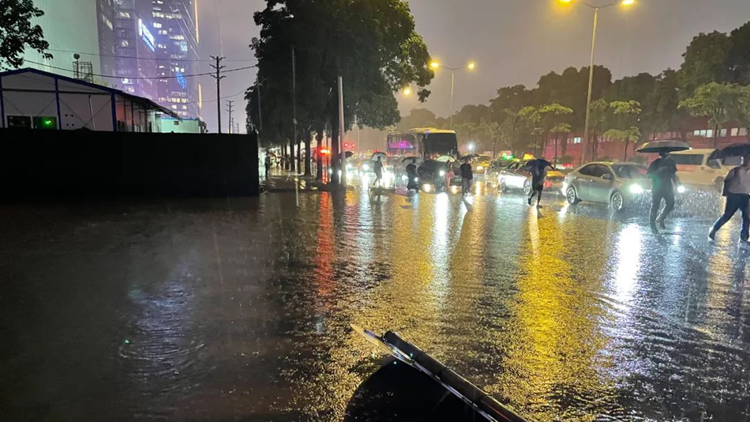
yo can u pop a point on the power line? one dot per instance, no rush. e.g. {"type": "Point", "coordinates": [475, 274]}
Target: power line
{"type": "Point", "coordinates": [141, 77]}
{"type": "Point", "coordinates": [144, 58]}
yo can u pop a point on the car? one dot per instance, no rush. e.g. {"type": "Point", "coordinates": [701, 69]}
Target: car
{"type": "Point", "coordinates": [515, 176]}
{"type": "Point", "coordinates": [481, 165]}
{"type": "Point", "coordinates": [700, 168]}
{"type": "Point", "coordinates": [554, 182]}
{"type": "Point", "coordinates": [617, 184]}
{"type": "Point", "coordinates": [433, 172]}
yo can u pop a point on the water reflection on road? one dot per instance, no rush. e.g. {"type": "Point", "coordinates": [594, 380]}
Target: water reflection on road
{"type": "Point", "coordinates": [240, 309]}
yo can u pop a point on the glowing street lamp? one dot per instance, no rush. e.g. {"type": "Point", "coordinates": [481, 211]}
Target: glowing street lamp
{"type": "Point", "coordinates": [436, 65]}
{"type": "Point", "coordinates": [623, 3]}
{"type": "Point", "coordinates": [407, 91]}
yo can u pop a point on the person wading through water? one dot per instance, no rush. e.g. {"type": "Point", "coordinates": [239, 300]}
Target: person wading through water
{"type": "Point", "coordinates": [663, 172]}
{"type": "Point", "coordinates": [737, 191]}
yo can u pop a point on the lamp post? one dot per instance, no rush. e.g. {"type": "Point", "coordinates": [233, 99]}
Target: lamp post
{"type": "Point", "coordinates": [624, 3]}
{"type": "Point", "coordinates": [436, 65]}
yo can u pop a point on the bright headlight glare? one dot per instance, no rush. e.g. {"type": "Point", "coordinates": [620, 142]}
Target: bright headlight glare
{"type": "Point", "coordinates": [681, 189]}
{"type": "Point", "coordinates": [636, 189]}
{"type": "Point", "coordinates": [442, 173]}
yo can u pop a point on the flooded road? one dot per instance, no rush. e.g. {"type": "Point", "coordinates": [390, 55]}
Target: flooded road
{"type": "Point", "coordinates": [240, 309]}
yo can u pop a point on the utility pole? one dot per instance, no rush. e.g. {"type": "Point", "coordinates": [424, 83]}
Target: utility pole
{"type": "Point", "coordinates": [218, 67]}
{"type": "Point", "coordinates": [342, 176]}
{"type": "Point", "coordinates": [230, 105]}
{"type": "Point", "coordinates": [294, 103]}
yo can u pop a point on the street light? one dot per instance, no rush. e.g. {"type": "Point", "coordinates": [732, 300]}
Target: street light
{"type": "Point", "coordinates": [436, 65]}
{"type": "Point", "coordinates": [623, 3]}
{"type": "Point", "coordinates": [407, 91]}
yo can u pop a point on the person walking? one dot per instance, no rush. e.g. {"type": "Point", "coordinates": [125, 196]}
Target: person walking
{"type": "Point", "coordinates": [449, 175]}
{"type": "Point", "coordinates": [412, 174]}
{"type": "Point", "coordinates": [268, 166]}
{"type": "Point", "coordinates": [663, 172]}
{"type": "Point", "coordinates": [378, 172]}
{"type": "Point", "coordinates": [538, 170]}
{"type": "Point", "coordinates": [737, 192]}
{"type": "Point", "coordinates": [467, 176]}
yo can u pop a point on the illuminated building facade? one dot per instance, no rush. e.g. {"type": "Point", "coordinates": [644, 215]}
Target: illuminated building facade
{"type": "Point", "coordinates": [175, 24]}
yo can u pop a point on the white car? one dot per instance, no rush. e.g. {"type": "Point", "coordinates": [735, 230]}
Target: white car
{"type": "Point", "coordinates": [697, 167]}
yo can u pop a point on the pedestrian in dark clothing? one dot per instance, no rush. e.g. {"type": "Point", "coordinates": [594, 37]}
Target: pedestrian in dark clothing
{"type": "Point", "coordinates": [663, 172]}
{"type": "Point", "coordinates": [268, 166]}
{"type": "Point", "coordinates": [467, 176]}
{"type": "Point", "coordinates": [737, 191]}
{"type": "Point", "coordinates": [538, 170]}
{"type": "Point", "coordinates": [411, 174]}
{"type": "Point", "coordinates": [378, 172]}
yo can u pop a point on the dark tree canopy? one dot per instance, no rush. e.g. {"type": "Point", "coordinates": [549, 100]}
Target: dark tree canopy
{"type": "Point", "coordinates": [17, 33]}
{"type": "Point", "coordinates": [372, 44]}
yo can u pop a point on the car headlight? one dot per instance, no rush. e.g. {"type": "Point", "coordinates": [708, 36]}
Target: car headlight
{"type": "Point", "coordinates": [416, 179]}
{"type": "Point", "coordinates": [404, 177]}
{"type": "Point", "coordinates": [365, 167]}
{"type": "Point", "coordinates": [479, 168]}
{"type": "Point", "coordinates": [442, 173]}
{"type": "Point", "coordinates": [681, 189]}
{"type": "Point", "coordinates": [636, 189]}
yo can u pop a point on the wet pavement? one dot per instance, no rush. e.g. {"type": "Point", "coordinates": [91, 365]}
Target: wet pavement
{"type": "Point", "coordinates": [240, 309]}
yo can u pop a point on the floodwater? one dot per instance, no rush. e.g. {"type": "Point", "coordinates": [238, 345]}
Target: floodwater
{"type": "Point", "coordinates": [240, 309]}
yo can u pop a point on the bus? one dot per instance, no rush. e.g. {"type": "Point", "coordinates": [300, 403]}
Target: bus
{"type": "Point", "coordinates": [427, 143]}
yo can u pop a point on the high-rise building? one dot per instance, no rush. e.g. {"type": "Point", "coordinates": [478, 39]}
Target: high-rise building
{"type": "Point", "coordinates": [176, 26]}
{"type": "Point", "coordinates": [70, 27]}
{"type": "Point", "coordinates": [135, 48]}
{"type": "Point", "coordinates": [147, 48]}
{"type": "Point", "coordinates": [106, 24]}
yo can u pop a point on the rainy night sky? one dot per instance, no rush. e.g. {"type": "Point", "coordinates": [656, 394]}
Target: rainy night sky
{"type": "Point", "coordinates": [513, 41]}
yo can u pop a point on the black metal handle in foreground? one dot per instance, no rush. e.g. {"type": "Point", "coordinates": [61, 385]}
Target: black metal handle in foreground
{"type": "Point", "coordinates": [473, 393]}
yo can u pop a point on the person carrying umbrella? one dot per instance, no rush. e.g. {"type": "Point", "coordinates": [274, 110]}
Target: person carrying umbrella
{"type": "Point", "coordinates": [663, 172]}
{"type": "Point", "coordinates": [538, 170]}
{"type": "Point", "coordinates": [411, 174]}
{"type": "Point", "coordinates": [268, 166]}
{"type": "Point", "coordinates": [378, 172]}
{"type": "Point", "coordinates": [737, 192]}
{"type": "Point", "coordinates": [467, 175]}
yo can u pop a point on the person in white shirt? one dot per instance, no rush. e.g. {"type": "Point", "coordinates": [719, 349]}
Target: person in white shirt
{"type": "Point", "coordinates": [737, 191]}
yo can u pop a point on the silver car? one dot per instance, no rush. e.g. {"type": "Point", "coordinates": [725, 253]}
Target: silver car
{"type": "Point", "coordinates": [618, 184]}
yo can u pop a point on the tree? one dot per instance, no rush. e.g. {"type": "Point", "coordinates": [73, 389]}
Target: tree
{"type": "Point", "coordinates": [742, 111]}
{"type": "Point", "coordinates": [417, 117]}
{"type": "Point", "coordinates": [553, 118]}
{"type": "Point", "coordinates": [17, 33]}
{"type": "Point", "coordinates": [371, 44]}
{"type": "Point", "coordinates": [596, 124]}
{"type": "Point", "coordinates": [717, 102]}
{"type": "Point", "coordinates": [706, 60]}
{"type": "Point", "coordinates": [531, 127]}
{"type": "Point", "coordinates": [512, 98]}
{"type": "Point", "coordinates": [740, 54]}
{"type": "Point", "coordinates": [624, 115]}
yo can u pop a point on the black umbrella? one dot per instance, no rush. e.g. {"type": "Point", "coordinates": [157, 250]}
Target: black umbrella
{"type": "Point", "coordinates": [663, 146]}
{"type": "Point", "coordinates": [469, 157]}
{"type": "Point", "coordinates": [409, 159]}
{"type": "Point", "coordinates": [349, 154]}
{"type": "Point", "coordinates": [736, 150]}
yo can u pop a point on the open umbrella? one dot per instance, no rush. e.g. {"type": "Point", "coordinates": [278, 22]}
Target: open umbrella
{"type": "Point", "coordinates": [469, 157]}
{"type": "Point", "coordinates": [382, 156]}
{"type": "Point", "coordinates": [349, 154]}
{"type": "Point", "coordinates": [663, 146]}
{"type": "Point", "coordinates": [445, 158]}
{"type": "Point", "coordinates": [736, 150]}
{"type": "Point", "coordinates": [408, 159]}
